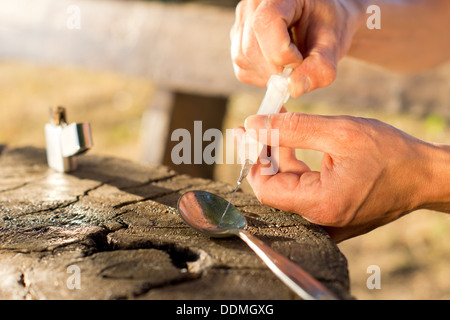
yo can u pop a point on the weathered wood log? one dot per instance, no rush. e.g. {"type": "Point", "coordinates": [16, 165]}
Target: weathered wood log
{"type": "Point", "coordinates": [113, 224]}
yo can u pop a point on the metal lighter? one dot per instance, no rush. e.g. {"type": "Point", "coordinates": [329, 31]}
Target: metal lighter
{"type": "Point", "coordinates": [65, 141]}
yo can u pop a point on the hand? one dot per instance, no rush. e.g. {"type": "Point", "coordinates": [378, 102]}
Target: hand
{"type": "Point", "coordinates": [309, 36]}
{"type": "Point", "coordinates": [371, 173]}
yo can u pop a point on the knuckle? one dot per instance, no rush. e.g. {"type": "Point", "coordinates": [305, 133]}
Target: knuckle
{"type": "Point", "coordinates": [242, 75]}
{"type": "Point", "coordinates": [356, 133]}
{"type": "Point", "coordinates": [347, 130]}
{"type": "Point", "coordinates": [240, 62]}
{"type": "Point", "coordinates": [292, 122]}
{"type": "Point", "coordinates": [292, 127]}
{"type": "Point", "coordinates": [278, 58]}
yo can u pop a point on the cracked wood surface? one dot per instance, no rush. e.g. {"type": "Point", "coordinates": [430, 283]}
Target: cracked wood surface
{"type": "Point", "coordinates": [116, 221]}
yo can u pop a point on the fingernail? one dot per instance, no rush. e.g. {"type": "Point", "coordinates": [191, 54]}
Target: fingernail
{"type": "Point", "coordinates": [238, 132]}
{"type": "Point", "coordinates": [256, 122]}
{"type": "Point", "coordinates": [305, 84]}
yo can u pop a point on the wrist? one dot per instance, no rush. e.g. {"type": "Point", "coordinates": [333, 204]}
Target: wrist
{"type": "Point", "coordinates": [435, 190]}
{"type": "Point", "coordinates": [353, 13]}
{"type": "Point", "coordinates": [356, 11]}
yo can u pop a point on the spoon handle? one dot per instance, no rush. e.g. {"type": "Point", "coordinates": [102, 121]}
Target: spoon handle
{"type": "Point", "coordinates": [297, 279]}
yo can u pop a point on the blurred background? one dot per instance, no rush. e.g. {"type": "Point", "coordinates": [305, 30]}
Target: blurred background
{"type": "Point", "coordinates": [125, 66]}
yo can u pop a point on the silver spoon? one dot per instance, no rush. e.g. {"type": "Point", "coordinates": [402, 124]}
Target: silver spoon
{"type": "Point", "coordinates": [203, 211]}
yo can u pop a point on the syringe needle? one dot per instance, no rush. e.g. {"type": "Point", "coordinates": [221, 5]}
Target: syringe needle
{"type": "Point", "coordinates": [244, 172]}
{"type": "Point", "coordinates": [229, 203]}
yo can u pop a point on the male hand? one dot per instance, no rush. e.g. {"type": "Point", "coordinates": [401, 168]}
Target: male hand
{"type": "Point", "coordinates": [371, 173]}
{"type": "Point", "coordinates": [309, 36]}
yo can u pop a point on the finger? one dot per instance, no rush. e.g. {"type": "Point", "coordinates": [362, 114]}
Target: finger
{"type": "Point", "coordinates": [260, 69]}
{"type": "Point", "coordinates": [281, 159]}
{"type": "Point", "coordinates": [241, 64]}
{"type": "Point", "coordinates": [288, 161]}
{"type": "Point", "coordinates": [285, 157]}
{"type": "Point", "coordinates": [248, 62]}
{"type": "Point", "coordinates": [301, 187]}
{"type": "Point", "coordinates": [298, 193]}
{"type": "Point", "coordinates": [299, 130]}
{"type": "Point", "coordinates": [271, 27]}
{"type": "Point", "coordinates": [317, 71]}
{"type": "Point", "coordinates": [238, 133]}
{"type": "Point", "coordinates": [319, 68]}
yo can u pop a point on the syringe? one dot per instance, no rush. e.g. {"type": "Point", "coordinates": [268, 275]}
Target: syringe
{"type": "Point", "coordinates": [276, 95]}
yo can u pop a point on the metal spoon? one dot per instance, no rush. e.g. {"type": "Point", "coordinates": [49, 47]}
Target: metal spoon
{"type": "Point", "coordinates": [203, 211]}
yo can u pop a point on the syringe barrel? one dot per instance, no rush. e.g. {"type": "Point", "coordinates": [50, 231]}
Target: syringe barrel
{"type": "Point", "coordinates": [277, 93]}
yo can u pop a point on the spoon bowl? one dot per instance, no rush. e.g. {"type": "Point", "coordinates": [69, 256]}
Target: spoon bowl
{"type": "Point", "coordinates": [203, 211]}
